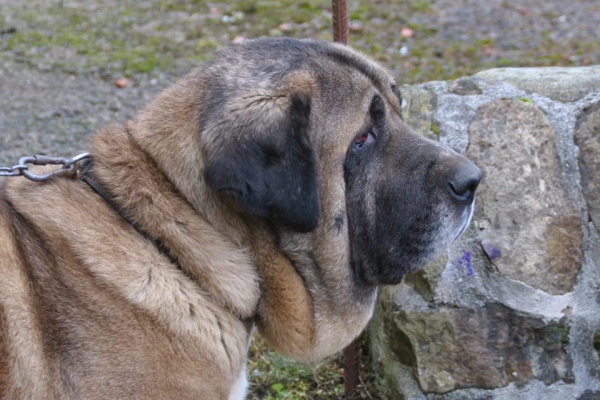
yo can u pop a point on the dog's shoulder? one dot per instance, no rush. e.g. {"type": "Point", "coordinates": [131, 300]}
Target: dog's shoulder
{"type": "Point", "coordinates": [6, 251]}
{"type": "Point", "coordinates": [20, 331]}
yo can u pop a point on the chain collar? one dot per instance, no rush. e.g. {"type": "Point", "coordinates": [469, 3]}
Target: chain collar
{"type": "Point", "coordinates": [22, 168]}
{"type": "Point", "coordinates": [83, 165]}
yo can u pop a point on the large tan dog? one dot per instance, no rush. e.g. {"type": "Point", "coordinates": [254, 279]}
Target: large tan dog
{"type": "Point", "coordinates": [275, 186]}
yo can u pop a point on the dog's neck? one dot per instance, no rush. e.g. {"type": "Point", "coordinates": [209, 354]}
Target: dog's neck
{"type": "Point", "coordinates": [159, 192]}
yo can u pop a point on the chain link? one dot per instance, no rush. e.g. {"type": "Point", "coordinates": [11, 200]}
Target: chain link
{"type": "Point", "coordinates": [22, 169]}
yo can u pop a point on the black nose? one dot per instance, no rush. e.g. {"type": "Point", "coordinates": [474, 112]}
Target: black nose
{"type": "Point", "coordinates": [464, 181]}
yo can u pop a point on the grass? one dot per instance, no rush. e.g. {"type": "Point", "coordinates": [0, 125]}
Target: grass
{"type": "Point", "coordinates": [274, 377]}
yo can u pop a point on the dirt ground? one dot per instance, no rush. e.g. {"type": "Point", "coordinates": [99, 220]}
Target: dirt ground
{"type": "Point", "coordinates": [60, 59]}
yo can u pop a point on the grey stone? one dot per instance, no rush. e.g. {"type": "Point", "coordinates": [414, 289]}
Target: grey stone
{"type": "Point", "coordinates": [417, 110]}
{"type": "Point", "coordinates": [536, 229]}
{"type": "Point", "coordinates": [560, 83]}
{"type": "Point", "coordinates": [589, 395]}
{"type": "Point", "coordinates": [563, 117]}
{"type": "Point", "coordinates": [587, 138]}
{"type": "Point", "coordinates": [396, 381]}
{"type": "Point", "coordinates": [464, 87]}
{"type": "Point", "coordinates": [452, 117]}
{"type": "Point", "coordinates": [488, 347]}
{"type": "Point", "coordinates": [532, 390]}
{"type": "Point", "coordinates": [586, 317]}
{"type": "Point", "coordinates": [425, 281]}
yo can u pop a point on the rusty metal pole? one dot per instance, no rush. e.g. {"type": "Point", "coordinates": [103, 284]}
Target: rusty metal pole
{"type": "Point", "coordinates": [351, 357]}
{"type": "Point", "coordinates": [351, 354]}
{"type": "Point", "coordinates": [340, 21]}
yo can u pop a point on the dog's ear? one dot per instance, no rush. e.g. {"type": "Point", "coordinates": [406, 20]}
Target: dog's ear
{"type": "Point", "coordinates": [265, 161]}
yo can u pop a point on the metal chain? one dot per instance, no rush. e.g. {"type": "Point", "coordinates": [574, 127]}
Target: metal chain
{"type": "Point", "coordinates": [22, 169]}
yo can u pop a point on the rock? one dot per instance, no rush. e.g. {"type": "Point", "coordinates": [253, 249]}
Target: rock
{"type": "Point", "coordinates": [487, 347]}
{"type": "Point", "coordinates": [453, 114]}
{"type": "Point", "coordinates": [589, 395]}
{"type": "Point", "coordinates": [464, 86]}
{"type": "Point", "coordinates": [425, 281]}
{"type": "Point", "coordinates": [8, 31]}
{"type": "Point", "coordinates": [286, 27]}
{"type": "Point", "coordinates": [396, 382]}
{"type": "Point", "coordinates": [564, 84]}
{"type": "Point", "coordinates": [122, 82]}
{"type": "Point", "coordinates": [534, 229]}
{"type": "Point", "coordinates": [417, 110]}
{"type": "Point", "coordinates": [587, 138]}
{"type": "Point", "coordinates": [407, 33]}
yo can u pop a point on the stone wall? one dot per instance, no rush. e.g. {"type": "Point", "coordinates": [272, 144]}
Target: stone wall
{"type": "Point", "coordinates": [513, 310]}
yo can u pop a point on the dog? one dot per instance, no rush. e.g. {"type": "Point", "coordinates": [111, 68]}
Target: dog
{"type": "Point", "coordinates": [274, 187]}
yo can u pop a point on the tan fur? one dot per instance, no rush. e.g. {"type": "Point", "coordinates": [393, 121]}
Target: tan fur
{"type": "Point", "coordinates": [286, 310]}
{"type": "Point", "coordinates": [24, 365]}
{"type": "Point", "coordinates": [205, 254]}
{"type": "Point", "coordinates": [91, 309]}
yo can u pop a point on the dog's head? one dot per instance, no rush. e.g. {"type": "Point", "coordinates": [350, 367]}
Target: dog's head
{"type": "Point", "coordinates": [308, 135]}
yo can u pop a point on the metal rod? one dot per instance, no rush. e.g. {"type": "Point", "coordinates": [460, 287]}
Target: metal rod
{"type": "Point", "coordinates": [351, 358]}
{"type": "Point", "coordinates": [351, 354]}
{"type": "Point", "coordinates": [340, 21]}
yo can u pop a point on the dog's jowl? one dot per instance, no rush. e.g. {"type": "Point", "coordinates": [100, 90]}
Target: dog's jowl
{"type": "Point", "coordinates": [275, 186]}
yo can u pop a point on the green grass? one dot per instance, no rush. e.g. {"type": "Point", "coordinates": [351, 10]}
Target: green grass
{"type": "Point", "coordinates": [275, 377]}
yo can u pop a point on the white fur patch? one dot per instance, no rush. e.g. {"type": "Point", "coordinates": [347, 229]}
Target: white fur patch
{"type": "Point", "coordinates": [240, 387]}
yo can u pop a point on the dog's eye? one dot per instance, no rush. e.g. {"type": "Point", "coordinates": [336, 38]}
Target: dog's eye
{"type": "Point", "coordinates": [364, 139]}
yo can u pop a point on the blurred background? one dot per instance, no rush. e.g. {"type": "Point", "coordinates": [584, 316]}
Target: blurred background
{"type": "Point", "coordinates": [69, 67]}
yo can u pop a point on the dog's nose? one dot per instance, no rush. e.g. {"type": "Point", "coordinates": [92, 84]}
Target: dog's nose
{"type": "Point", "coordinates": [464, 181]}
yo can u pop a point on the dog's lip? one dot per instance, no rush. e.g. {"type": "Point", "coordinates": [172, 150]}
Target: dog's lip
{"type": "Point", "coordinates": [466, 221]}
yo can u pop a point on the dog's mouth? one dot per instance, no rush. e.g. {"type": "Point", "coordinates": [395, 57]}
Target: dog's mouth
{"type": "Point", "coordinates": [389, 261]}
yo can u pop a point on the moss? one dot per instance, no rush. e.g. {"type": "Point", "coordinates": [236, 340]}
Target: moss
{"type": "Point", "coordinates": [486, 42]}
{"type": "Point", "coordinates": [419, 283]}
{"type": "Point", "coordinates": [207, 44]}
{"type": "Point", "coordinates": [422, 31]}
{"type": "Point", "coordinates": [420, 5]}
{"type": "Point", "coordinates": [555, 336]}
{"type": "Point", "coordinates": [435, 129]}
{"type": "Point", "coordinates": [551, 14]}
